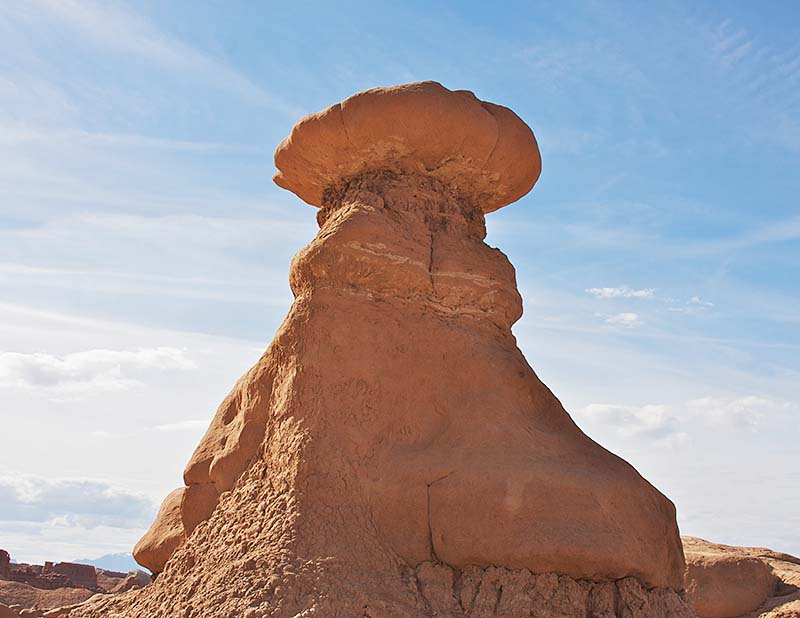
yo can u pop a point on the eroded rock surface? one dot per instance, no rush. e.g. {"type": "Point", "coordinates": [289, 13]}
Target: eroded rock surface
{"type": "Point", "coordinates": [392, 453]}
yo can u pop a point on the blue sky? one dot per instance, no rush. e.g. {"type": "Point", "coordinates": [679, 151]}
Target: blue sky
{"type": "Point", "coordinates": [144, 251]}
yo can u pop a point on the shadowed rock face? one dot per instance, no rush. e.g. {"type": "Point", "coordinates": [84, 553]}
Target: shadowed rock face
{"type": "Point", "coordinates": [180, 513]}
{"type": "Point", "coordinates": [393, 423]}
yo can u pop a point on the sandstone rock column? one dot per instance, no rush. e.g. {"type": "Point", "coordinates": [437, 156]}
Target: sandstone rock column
{"type": "Point", "coordinates": [393, 444]}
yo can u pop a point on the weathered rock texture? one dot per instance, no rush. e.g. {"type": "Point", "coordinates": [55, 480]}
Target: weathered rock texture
{"type": "Point", "coordinates": [392, 453]}
{"type": "Point", "coordinates": [723, 581]}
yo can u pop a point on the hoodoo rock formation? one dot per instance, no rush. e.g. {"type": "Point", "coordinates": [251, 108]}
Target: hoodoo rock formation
{"type": "Point", "coordinates": [392, 453]}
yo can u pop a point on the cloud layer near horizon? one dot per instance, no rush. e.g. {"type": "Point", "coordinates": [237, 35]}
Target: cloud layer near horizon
{"type": "Point", "coordinates": [87, 372]}
{"type": "Point", "coordinates": [87, 502]}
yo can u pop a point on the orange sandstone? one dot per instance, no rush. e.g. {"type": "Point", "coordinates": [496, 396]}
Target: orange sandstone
{"type": "Point", "coordinates": [482, 150]}
{"type": "Point", "coordinates": [392, 453]}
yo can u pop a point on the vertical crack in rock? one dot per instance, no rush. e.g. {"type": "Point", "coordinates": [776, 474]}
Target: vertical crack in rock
{"type": "Point", "coordinates": [430, 263]}
{"type": "Point", "coordinates": [617, 600]}
{"type": "Point", "coordinates": [434, 555]}
{"type": "Point", "coordinates": [497, 600]}
{"type": "Point", "coordinates": [458, 584]}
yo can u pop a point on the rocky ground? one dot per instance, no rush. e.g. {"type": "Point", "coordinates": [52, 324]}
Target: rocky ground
{"type": "Point", "coordinates": [752, 582]}
{"type": "Point", "coordinates": [28, 597]}
{"type": "Point", "coordinates": [722, 581]}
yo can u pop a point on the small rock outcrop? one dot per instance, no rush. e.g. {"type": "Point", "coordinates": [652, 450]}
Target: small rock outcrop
{"type": "Point", "coordinates": [724, 581]}
{"type": "Point", "coordinates": [392, 454]}
{"type": "Point", "coordinates": [5, 564]}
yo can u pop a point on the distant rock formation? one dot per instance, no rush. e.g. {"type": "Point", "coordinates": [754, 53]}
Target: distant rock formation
{"type": "Point", "coordinates": [392, 454]}
{"type": "Point", "coordinates": [33, 590]}
{"type": "Point", "coordinates": [724, 581]}
{"type": "Point", "coordinates": [80, 575]}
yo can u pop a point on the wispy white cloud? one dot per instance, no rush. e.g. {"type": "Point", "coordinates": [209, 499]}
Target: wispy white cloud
{"type": "Point", "coordinates": [17, 135]}
{"type": "Point", "coordinates": [620, 292]}
{"type": "Point", "coordinates": [635, 240]}
{"type": "Point", "coordinates": [652, 422]}
{"type": "Point", "coordinates": [762, 81]}
{"type": "Point", "coordinates": [240, 291]}
{"type": "Point", "coordinates": [214, 259]}
{"type": "Point", "coordinates": [556, 62]}
{"type": "Point", "coordinates": [565, 140]}
{"type": "Point", "coordinates": [768, 233]}
{"type": "Point", "coordinates": [726, 37]}
{"type": "Point", "coordinates": [773, 232]}
{"type": "Point", "coordinates": [190, 425]}
{"type": "Point", "coordinates": [730, 43]}
{"type": "Point", "coordinates": [23, 270]}
{"type": "Point", "coordinates": [695, 305]}
{"type": "Point", "coordinates": [675, 424]}
{"type": "Point", "coordinates": [744, 412]}
{"type": "Point", "coordinates": [118, 28]}
{"type": "Point", "coordinates": [82, 373]}
{"type": "Point", "coordinates": [626, 319]}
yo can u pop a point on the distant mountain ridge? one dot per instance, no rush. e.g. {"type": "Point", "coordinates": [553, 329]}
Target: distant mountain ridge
{"type": "Point", "coordinates": [122, 562]}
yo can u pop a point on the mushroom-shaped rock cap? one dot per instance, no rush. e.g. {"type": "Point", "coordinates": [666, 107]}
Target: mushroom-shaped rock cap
{"type": "Point", "coordinates": [483, 150]}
